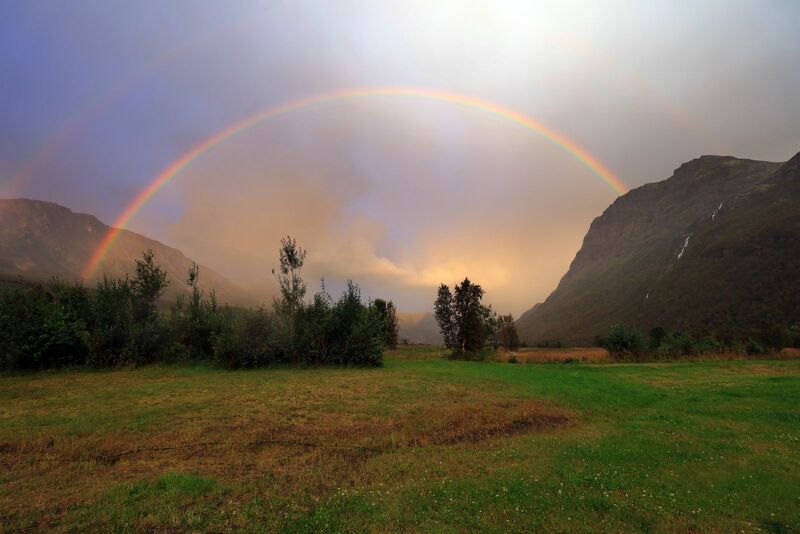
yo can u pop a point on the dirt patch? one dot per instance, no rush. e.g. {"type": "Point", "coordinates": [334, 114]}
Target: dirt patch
{"type": "Point", "coordinates": [486, 421]}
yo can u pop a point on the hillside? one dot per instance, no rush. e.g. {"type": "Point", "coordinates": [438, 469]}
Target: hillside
{"type": "Point", "coordinates": [40, 240]}
{"type": "Point", "coordinates": [713, 249]}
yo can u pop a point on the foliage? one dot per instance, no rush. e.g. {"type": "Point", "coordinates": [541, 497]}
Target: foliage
{"type": "Point", "coordinates": [388, 315]}
{"type": "Point", "coordinates": [624, 340]}
{"type": "Point", "coordinates": [466, 324]}
{"type": "Point", "coordinates": [506, 334]}
{"type": "Point", "coordinates": [119, 323]}
{"type": "Point", "coordinates": [443, 312]}
{"type": "Point", "coordinates": [248, 341]}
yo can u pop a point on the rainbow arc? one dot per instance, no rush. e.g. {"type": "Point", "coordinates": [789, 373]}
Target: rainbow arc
{"type": "Point", "coordinates": [467, 101]}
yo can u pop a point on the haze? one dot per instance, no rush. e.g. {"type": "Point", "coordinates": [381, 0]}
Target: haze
{"type": "Point", "coordinates": [398, 193]}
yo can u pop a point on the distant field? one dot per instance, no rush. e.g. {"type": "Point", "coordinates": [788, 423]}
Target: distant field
{"type": "Point", "coordinates": [423, 444]}
{"type": "Point", "coordinates": [573, 354]}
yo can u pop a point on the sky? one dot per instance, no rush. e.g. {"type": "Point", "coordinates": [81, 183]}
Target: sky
{"type": "Point", "coordinates": [399, 192]}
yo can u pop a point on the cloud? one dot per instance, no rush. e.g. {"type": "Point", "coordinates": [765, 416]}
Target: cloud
{"type": "Point", "coordinates": [400, 194]}
{"type": "Point", "coordinates": [384, 194]}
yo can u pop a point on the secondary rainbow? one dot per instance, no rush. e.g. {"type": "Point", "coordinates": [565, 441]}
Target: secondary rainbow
{"type": "Point", "coordinates": [174, 168]}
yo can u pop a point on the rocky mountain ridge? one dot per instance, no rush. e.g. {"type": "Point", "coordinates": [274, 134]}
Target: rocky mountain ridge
{"type": "Point", "coordinates": [663, 255]}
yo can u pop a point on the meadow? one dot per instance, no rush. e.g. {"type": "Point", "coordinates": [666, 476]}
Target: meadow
{"type": "Point", "coordinates": [420, 444]}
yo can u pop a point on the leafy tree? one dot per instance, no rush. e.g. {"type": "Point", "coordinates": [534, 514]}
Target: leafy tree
{"type": "Point", "coordinates": [388, 315]}
{"type": "Point", "coordinates": [112, 333]}
{"type": "Point", "coordinates": [147, 286]}
{"type": "Point", "coordinates": [506, 335]}
{"type": "Point", "coordinates": [247, 340]}
{"type": "Point", "coordinates": [466, 324]}
{"type": "Point", "coordinates": [657, 335]}
{"type": "Point", "coordinates": [474, 320]}
{"type": "Point", "coordinates": [624, 340]}
{"type": "Point", "coordinates": [318, 341]}
{"type": "Point", "coordinates": [291, 260]}
{"type": "Point", "coordinates": [201, 317]}
{"type": "Point", "coordinates": [289, 308]}
{"type": "Point", "coordinates": [443, 311]}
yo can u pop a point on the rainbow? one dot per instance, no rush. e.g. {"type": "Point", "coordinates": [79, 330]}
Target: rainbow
{"type": "Point", "coordinates": [174, 168]}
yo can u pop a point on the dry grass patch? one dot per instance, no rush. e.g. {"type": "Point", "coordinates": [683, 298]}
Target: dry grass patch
{"type": "Point", "coordinates": [295, 431]}
{"type": "Point", "coordinates": [558, 355]}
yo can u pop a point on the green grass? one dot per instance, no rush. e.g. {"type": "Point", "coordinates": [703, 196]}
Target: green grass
{"type": "Point", "coordinates": [698, 446]}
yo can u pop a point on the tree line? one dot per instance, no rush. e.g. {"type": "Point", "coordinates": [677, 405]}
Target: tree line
{"type": "Point", "coordinates": [120, 323]}
{"type": "Point", "coordinates": [626, 342]}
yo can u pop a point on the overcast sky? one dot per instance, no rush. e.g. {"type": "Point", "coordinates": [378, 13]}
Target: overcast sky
{"type": "Point", "coordinates": [97, 97]}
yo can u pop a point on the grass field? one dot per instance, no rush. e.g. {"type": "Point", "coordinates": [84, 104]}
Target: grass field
{"type": "Point", "coordinates": [422, 444]}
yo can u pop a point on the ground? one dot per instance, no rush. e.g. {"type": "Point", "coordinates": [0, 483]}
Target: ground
{"type": "Point", "coordinates": [422, 444]}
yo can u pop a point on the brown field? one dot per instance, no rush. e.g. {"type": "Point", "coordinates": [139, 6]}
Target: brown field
{"type": "Point", "coordinates": [601, 355]}
{"type": "Point", "coordinates": [558, 355]}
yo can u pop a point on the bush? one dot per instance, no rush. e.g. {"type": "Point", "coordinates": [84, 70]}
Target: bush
{"type": "Point", "coordinates": [246, 340]}
{"type": "Point", "coordinates": [753, 347]}
{"type": "Point", "coordinates": [677, 344]}
{"type": "Point", "coordinates": [624, 340]}
{"type": "Point", "coordinates": [118, 324]}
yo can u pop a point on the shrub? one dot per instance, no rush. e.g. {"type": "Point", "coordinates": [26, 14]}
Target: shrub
{"type": "Point", "coordinates": [118, 324]}
{"type": "Point", "coordinates": [753, 347]}
{"type": "Point", "coordinates": [624, 340]}
{"type": "Point", "coordinates": [247, 339]}
{"type": "Point", "coordinates": [677, 344]}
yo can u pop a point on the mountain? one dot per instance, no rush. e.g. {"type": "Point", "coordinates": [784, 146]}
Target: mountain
{"type": "Point", "coordinates": [419, 327]}
{"type": "Point", "coordinates": [714, 249]}
{"type": "Point", "coordinates": [40, 240]}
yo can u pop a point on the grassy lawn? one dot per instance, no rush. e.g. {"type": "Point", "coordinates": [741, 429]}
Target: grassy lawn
{"type": "Point", "coordinates": [423, 444]}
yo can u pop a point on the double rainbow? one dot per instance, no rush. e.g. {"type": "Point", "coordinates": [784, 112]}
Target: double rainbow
{"type": "Point", "coordinates": [467, 101]}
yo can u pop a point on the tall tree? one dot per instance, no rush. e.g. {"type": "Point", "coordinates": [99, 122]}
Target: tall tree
{"type": "Point", "coordinates": [506, 333]}
{"type": "Point", "coordinates": [147, 286]}
{"type": "Point", "coordinates": [443, 311]}
{"type": "Point", "coordinates": [469, 316]}
{"type": "Point", "coordinates": [388, 315]}
{"type": "Point", "coordinates": [293, 289]}
{"type": "Point", "coordinates": [466, 324]}
{"type": "Point", "coordinates": [289, 309]}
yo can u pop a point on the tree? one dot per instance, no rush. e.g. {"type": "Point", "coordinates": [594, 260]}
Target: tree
{"type": "Point", "coordinates": [470, 315]}
{"type": "Point", "coordinates": [506, 333]}
{"type": "Point", "coordinates": [201, 318]}
{"type": "Point", "coordinates": [443, 311]}
{"type": "Point", "coordinates": [657, 335]}
{"type": "Point", "coordinates": [147, 286]}
{"type": "Point", "coordinates": [465, 323]}
{"type": "Point", "coordinates": [624, 340]}
{"type": "Point", "coordinates": [289, 309]}
{"type": "Point", "coordinates": [293, 288]}
{"type": "Point", "coordinates": [388, 316]}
